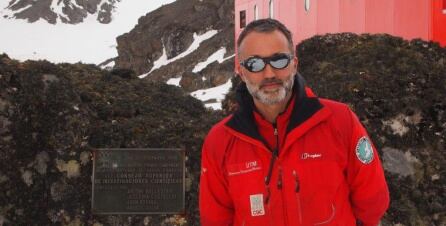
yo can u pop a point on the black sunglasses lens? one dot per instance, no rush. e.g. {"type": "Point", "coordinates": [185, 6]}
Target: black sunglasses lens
{"type": "Point", "coordinates": [280, 61]}
{"type": "Point", "coordinates": [255, 64]}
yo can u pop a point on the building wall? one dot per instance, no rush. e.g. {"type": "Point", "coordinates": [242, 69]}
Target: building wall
{"type": "Point", "coordinates": [379, 16]}
{"type": "Point", "coordinates": [328, 16]}
{"type": "Point", "coordinates": [352, 16]}
{"type": "Point", "coordinates": [412, 20]}
{"type": "Point", "coordinates": [439, 22]}
{"type": "Point", "coordinates": [425, 19]}
{"type": "Point", "coordinates": [306, 21]}
{"type": "Point", "coordinates": [287, 14]}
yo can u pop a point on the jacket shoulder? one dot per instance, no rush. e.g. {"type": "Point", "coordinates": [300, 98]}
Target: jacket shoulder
{"type": "Point", "coordinates": [219, 128]}
{"type": "Point", "coordinates": [217, 139]}
{"type": "Point", "coordinates": [341, 120]}
{"type": "Point", "coordinates": [335, 106]}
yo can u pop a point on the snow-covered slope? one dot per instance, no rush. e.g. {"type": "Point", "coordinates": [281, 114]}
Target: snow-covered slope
{"type": "Point", "coordinates": [87, 42]}
{"type": "Point", "coordinates": [60, 11]}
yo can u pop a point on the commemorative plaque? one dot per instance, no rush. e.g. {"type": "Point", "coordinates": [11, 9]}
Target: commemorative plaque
{"type": "Point", "coordinates": [138, 181]}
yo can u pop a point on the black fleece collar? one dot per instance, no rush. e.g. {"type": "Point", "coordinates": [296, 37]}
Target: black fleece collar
{"type": "Point", "coordinates": [243, 119]}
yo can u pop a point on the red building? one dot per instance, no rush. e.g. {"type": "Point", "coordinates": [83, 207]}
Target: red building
{"type": "Point", "coordinates": [425, 19]}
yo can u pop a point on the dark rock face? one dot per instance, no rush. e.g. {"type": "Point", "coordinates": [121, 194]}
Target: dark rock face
{"type": "Point", "coordinates": [191, 81]}
{"type": "Point", "coordinates": [172, 27]}
{"type": "Point", "coordinates": [51, 116]}
{"type": "Point", "coordinates": [398, 90]}
{"type": "Point", "coordinates": [73, 11]}
{"type": "Point", "coordinates": [214, 74]}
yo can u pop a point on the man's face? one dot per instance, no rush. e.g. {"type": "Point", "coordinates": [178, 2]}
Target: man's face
{"type": "Point", "coordinates": [269, 86]}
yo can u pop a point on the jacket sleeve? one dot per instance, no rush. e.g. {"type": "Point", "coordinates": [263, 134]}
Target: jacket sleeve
{"type": "Point", "coordinates": [216, 208]}
{"type": "Point", "coordinates": [369, 193]}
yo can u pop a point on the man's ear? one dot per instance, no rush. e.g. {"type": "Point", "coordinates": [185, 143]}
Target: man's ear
{"type": "Point", "coordinates": [296, 64]}
{"type": "Point", "coordinates": [242, 77]}
{"type": "Point", "coordinates": [239, 71]}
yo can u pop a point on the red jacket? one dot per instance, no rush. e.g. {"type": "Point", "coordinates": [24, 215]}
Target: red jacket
{"type": "Point", "coordinates": [326, 171]}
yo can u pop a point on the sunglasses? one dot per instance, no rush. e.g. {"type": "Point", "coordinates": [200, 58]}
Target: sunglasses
{"type": "Point", "coordinates": [257, 64]}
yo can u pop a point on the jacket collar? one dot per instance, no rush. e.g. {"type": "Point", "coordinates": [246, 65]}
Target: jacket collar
{"type": "Point", "coordinates": [304, 108]}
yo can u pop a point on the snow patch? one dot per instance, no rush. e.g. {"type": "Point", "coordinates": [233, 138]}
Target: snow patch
{"type": "Point", "coordinates": [174, 81]}
{"type": "Point", "coordinates": [57, 7]}
{"type": "Point", "coordinates": [198, 39]}
{"type": "Point", "coordinates": [217, 93]}
{"type": "Point", "coordinates": [109, 66]}
{"type": "Point", "coordinates": [217, 56]}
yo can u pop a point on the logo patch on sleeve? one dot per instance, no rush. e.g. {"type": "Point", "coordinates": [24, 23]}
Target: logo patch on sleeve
{"type": "Point", "coordinates": [257, 208]}
{"type": "Point", "coordinates": [364, 150]}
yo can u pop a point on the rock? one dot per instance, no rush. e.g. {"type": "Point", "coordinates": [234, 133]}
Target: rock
{"type": "Point", "coordinates": [105, 14]}
{"type": "Point", "coordinates": [404, 118]}
{"type": "Point", "coordinates": [398, 162]}
{"type": "Point", "coordinates": [176, 41]}
{"type": "Point", "coordinates": [71, 168]}
{"type": "Point", "coordinates": [141, 47]}
{"type": "Point", "coordinates": [191, 81]}
{"type": "Point", "coordinates": [38, 9]}
{"type": "Point", "coordinates": [40, 164]}
{"type": "Point", "coordinates": [27, 177]}
{"type": "Point", "coordinates": [73, 11]}
{"type": "Point", "coordinates": [59, 113]}
{"type": "Point", "coordinates": [219, 73]}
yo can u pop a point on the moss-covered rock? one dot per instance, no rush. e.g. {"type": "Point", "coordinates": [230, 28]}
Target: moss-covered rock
{"type": "Point", "coordinates": [398, 90]}
{"type": "Point", "coordinates": [52, 116]}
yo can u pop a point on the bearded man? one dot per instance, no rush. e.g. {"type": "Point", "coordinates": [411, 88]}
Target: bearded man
{"type": "Point", "coordinates": [287, 157]}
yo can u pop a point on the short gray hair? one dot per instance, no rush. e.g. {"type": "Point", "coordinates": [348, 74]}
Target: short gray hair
{"type": "Point", "coordinates": [266, 26]}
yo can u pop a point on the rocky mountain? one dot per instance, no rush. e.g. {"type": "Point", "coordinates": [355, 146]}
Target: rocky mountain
{"type": "Point", "coordinates": [61, 11]}
{"type": "Point", "coordinates": [171, 30]}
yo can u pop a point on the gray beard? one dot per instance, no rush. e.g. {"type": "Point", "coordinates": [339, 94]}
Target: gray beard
{"type": "Point", "coordinates": [271, 97]}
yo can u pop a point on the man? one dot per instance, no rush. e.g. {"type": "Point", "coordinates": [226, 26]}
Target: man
{"type": "Point", "coordinates": [287, 157]}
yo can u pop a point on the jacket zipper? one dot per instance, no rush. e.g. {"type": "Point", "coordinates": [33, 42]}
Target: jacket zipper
{"type": "Point", "coordinates": [271, 164]}
{"type": "Point", "coordinates": [297, 192]}
{"type": "Point", "coordinates": [275, 153]}
{"type": "Point", "coordinates": [279, 187]}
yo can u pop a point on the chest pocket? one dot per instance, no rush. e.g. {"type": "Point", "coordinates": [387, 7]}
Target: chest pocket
{"type": "Point", "coordinates": [320, 183]}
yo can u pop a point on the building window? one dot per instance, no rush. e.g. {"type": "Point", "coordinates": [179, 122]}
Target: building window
{"type": "Point", "coordinates": [307, 5]}
{"type": "Point", "coordinates": [242, 18]}
{"type": "Point", "coordinates": [271, 8]}
{"type": "Point", "coordinates": [256, 12]}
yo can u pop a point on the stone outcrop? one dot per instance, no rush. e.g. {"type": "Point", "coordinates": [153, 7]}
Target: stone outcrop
{"type": "Point", "coordinates": [52, 116]}
{"type": "Point", "coordinates": [398, 90]}
{"type": "Point", "coordinates": [71, 11]}
{"type": "Point", "coordinates": [171, 27]}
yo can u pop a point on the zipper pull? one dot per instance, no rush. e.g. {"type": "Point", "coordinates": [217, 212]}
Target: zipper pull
{"type": "Point", "coordinates": [279, 182]}
{"type": "Point", "coordinates": [276, 134]}
{"type": "Point", "coordinates": [296, 179]}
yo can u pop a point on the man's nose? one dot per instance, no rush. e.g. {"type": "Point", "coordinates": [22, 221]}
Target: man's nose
{"type": "Point", "coordinates": [269, 72]}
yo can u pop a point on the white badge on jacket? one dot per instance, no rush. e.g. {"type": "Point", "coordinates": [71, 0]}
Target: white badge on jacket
{"type": "Point", "coordinates": [257, 208]}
